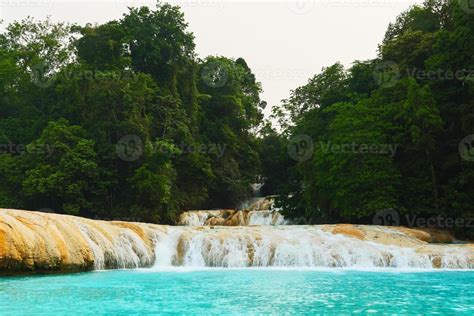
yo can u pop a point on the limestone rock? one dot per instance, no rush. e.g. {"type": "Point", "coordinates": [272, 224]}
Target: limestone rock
{"type": "Point", "coordinates": [33, 241]}
{"type": "Point", "coordinates": [44, 242]}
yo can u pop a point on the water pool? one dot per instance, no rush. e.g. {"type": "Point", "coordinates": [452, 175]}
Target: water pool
{"type": "Point", "coordinates": [245, 291]}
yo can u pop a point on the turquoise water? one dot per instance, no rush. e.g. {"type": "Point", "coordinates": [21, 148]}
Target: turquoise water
{"type": "Point", "coordinates": [240, 292]}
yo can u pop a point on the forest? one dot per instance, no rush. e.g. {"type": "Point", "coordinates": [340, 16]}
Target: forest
{"type": "Point", "coordinates": [124, 121]}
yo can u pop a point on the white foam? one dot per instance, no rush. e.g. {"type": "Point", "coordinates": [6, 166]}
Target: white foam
{"type": "Point", "coordinates": [266, 218]}
{"type": "Point", "coordinates": [125, 250]}
{"type": "Point", "coordinates": [299, 247]}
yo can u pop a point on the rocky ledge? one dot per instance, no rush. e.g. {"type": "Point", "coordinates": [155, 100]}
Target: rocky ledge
{"type": "Point", "coordinates": [44, 242]}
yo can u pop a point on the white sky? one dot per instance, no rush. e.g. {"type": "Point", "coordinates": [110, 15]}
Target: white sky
{"type": "Point", "coordinates": [284, 42]}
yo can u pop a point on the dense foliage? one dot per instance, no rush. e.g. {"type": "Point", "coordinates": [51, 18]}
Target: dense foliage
{"type": "Point", "coordinates": [386, 134]}
{"type": "Point", "coordinates": [122, 120]}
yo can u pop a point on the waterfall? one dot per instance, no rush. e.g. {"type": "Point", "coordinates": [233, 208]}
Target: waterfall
{"type": "Point", "coordinates": [298, 246]}
{"type": "Point", "coordinates": [123, 250]}
{"type": "Point", "coordinates": [266, 218]}
{"type": "Point", "coordinates": [31, 241]}
{"type": "Point", "coordinates": [255, 211]}
{"type": "Point", "coordinates": [249, 202]}
{"type": "Point", "coordinates": [197, 218]}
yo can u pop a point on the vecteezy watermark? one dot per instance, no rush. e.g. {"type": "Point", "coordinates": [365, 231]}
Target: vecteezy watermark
{"type": "Point", "coordinates": [306, 6]}
{"type": "Point", "coordinates": [180, 3]}
{"type": "Point", "coordinates": [214, 74]}
{"type": "Point", "coordinates": [300, 147]}
{"type": "Point", "coordinates": [43, 76]}
{"type": "Point", "coordinates": [20, 149]}
{"type": "Point", "coordinates": [387, 217]}
{"type": "Point", "coordinates": [441, 74]}
{"type": "Point", "coordinates": [6, 5]}
{"type": "Point", "coordinates": [129, 148]}
{"type": "Point", "coordinates": [215, 149]}
{"type": "Point", "coordinates": [386, 74]}
{"type": "Point", "coordinates": [282, 73]}
{"type": "Point", "coordinates": [440, 222]}
{"type": "Point", "coordinates": [359, 3]}
{"type": "Point", "coordinates": [466, 148]}
{"type": "Point", "coordinates": [467, 6]}
{"type": "Point", "coordinates": [301, 6]}
{"type": "Point", "coordinates": [390, 217]}
{"type": "Point", "coordinates": [361, 149]}
{"type": "Point", "coordinates": [27, 3]}
{"type": "Point", "coordinates": [40, 76]}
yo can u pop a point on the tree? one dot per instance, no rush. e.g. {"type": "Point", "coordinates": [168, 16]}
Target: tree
{"type": "Point", "coordinates": [230, 111]}
{"type": "Point", "coordinates": [62, 171]}
{"type": "Point", "coordinates": [425, 111]}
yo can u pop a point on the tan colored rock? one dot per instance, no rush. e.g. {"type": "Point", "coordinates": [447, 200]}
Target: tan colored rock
{"type": "Point", "coordinates": [439, 236]}
{"type": "Point", "coordinates": [260, 212]}
{"type": "Point", "coordinates": [265, 204]}
{"type": "Point", "coordinates": [43, 242]}
{"type": "Point", "coordinates": [239, 218]}
{"type": "Point", "coordinates": [215, 221]}
{"type": "Point", "coordinates": [200, 217]}
{"type": "Point", "coordinates": [349, 230]}
{"type": "Point", "coordinates": [33, 241]}
{"type": "Point", "coordinates": [428, 234]}
{"type": "Point", "coordinates": [415, 233]}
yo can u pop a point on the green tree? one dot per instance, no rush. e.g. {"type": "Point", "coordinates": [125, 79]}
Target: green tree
{"type": "Point", "coordinates": [62, 170]}
{"type": "Point", "coordinates": [230, 114]}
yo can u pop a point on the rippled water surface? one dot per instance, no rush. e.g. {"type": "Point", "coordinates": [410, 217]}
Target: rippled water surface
{"type": "Point", "coordinates": [237, 292]}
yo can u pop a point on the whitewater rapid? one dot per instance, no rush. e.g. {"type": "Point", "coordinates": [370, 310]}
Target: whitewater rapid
{"type": "Point", "coordinates": [255, 211]}
{"type": "Point", "coordinates": [232, 218]}
{"type": "Point", "coordinates": [43, 242]}
{"type": "Point", "coordinates": [298, 247]}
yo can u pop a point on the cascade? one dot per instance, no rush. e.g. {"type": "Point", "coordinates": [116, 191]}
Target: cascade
{"type": "Point", "coordinates": [300, 246]}
{"type": "Point", "coordinates": [31, 241]}
{"type": "Point", "coordinates": [255, 211]}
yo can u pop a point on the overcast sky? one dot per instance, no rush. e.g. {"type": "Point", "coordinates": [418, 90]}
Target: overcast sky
{"type": "Point", "coordinates": [284, 42]}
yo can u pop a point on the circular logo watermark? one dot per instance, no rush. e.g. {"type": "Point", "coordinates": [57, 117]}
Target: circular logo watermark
{"type": "Point", "coordinates": [387, 217]}
{"type": "Point", "coordinates": [300, 147]}
{"type": "Point", "coordinates": [386, 74]}
{"type": "Point", "coordinates": [214, 74]}
{"type": "Point", "coordinates": [40, 75]}
{"type": "Point", "coordinates": [467, 6]}
{"type": "Point", "coordinates": [466, 148]}
{"type": "Point", "coordinates": [300, 6]}
{"type": "Point", "coordinates": [129, 148]}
